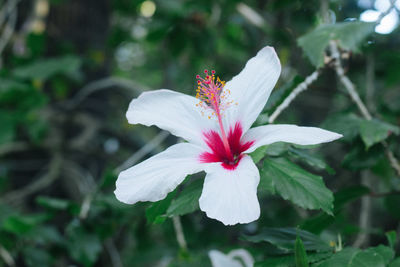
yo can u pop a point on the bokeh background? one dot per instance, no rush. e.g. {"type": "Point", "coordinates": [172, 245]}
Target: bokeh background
{"type": "Point", "coordinates": [69, 68]}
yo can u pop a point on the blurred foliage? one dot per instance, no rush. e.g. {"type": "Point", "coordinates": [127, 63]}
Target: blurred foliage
{"type": "Point", "coordinates": [68, 72]}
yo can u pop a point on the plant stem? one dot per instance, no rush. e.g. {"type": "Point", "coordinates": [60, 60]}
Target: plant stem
{"type": "Point", "coordinates": [180, 237]}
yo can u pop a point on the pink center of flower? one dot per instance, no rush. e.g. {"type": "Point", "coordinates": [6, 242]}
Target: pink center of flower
{"type": "Point", "coordinates": [226, 149]}
{"type": "Point", "coordinates": [229, 159]}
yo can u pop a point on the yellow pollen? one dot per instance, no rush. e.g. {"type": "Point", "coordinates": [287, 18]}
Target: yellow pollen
{"type": "Point", "coordinates": [211, 97]}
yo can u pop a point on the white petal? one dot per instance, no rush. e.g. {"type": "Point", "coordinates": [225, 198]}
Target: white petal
{"type": "Point", "coordinates": [251, 88]}
{"type": "Point", "coordinates": [268, 134]}
{"type": "Point", "coordinates": [230, 196]}
{"type": "Point", "coordinates": [154, 178]}
{"type": "Point", "coordinates": [171, 111]}
{"type": "Point", "coordinates": [219, 259]}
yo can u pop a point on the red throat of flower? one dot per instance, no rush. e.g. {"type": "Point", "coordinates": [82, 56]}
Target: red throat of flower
{"type": "Point", "coordinates": [230, 159]}
{"type": "Point", "coordinates": [226, 148]}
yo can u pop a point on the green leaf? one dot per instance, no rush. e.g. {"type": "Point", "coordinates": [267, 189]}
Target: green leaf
{"type": "Point", "coordinates": [319, 222]}
{"type": "Point", "coordinates": [345, 124]}
{"type": "Point", "coordinates": [259, 153]}
{"type": "Point", "coordinates": [8, 85]}
{"type": "Point", "coordinates": [373, 257]}
{"type": "Point", "coordinates": [37, 129]}
{"type": "Point", "coordinates": [188, 200]}
{"type": "Point", "coordinates": [22, 224]}
{"type": "Point", "coordinates": [45, 68]}
{"type": "Point", "coordinates": [83, 246]}
{"type": "Point", "coordinates": [349, 35]}
{"type": "Point", "coordinates": [392, 238]}
{"type": "Point", "coordinates": [44, 234]}
{"type": "Point", "coordinates": [385, 252]}
{"type": "Point", "coordinates": [53, 203]}
{"type": "Point", "coordinates": [395, 263]}
{"type": "Point", "coordinates": [275, 149]}
{"type": "Point", "coordinates": [352, 257]}
{"type": "Point", "coordinates": [284, 238]}
{"type": "Point", "coordinates": [289, 260]}
{"type": "Point", "coordinates": [375, 131]}
{"type": "Point", "coordinates": [310, 159]}
{"type": "Point", "coordinates": [37, 257]}
{"type": "Point", "coordinates": [300, 253]}
{"type": "Point", "coordinates": [297, 185]}
{"type": "Point", "coordinates": [341, 258]}
{"type": "Point", "coordinates": [8, 124]}
{"type": "Point", "coordinates": [156, 212]}
{"type": "Point", "coordinates": [358, 158]}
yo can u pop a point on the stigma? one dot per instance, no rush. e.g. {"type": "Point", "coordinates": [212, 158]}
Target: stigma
{"type": "Point", "coordinates": [213, 99]}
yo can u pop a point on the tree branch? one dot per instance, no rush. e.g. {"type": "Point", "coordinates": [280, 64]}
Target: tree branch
{"type": "Point", "coordinates": [346, 81]}
{"type": "Point", "coordinates": [113, 252]}
{"type": "Point", "coordinates": [349, 86]}
{"type": "Point", "coordinates": [14, 197]}
{"type": "Point", "coordinates": [13, 147]}
{"type": "Point", "coordinates": [383, 14]}
{"type": "Point", "coordinates": [296, 91]}
{"type": "Point", "coordinates": [103, 84]}
{"type": "Point", "coordinates": [8, 30]}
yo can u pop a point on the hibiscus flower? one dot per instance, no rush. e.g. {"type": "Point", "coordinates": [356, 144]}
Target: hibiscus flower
{"type": "Point", "coordinates": [216, 125]}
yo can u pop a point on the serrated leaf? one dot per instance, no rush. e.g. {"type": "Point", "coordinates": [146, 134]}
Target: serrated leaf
{"type": "Point", "coordinates": [297, 185]}
{"type": "Point", "coordinates": [348, 34]}
{"type": "Point", "coordinates": [284, 238]}
{"type": "Point", "coordinates": [188, 199]}
{"type": "Point", "coordinates": [300, 254]}
{"type": "Point", "coordinates": [375, 131]}
{"type": "Point", "coordinates": [310, 159]}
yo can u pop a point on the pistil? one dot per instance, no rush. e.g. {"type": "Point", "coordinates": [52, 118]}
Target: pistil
{"type": "Point", "coordinates": [223, 136]}
{"type": "Point", "coordinates": [210, 93]}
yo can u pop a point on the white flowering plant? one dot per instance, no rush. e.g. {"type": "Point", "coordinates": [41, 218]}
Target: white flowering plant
{"type": "Point", "coordinates": [274, 143]}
